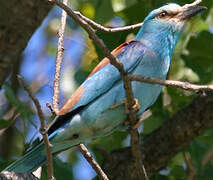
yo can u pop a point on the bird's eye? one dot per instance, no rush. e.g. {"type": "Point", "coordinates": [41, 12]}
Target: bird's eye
{"type": "Point", "coordinates": [163, 14]}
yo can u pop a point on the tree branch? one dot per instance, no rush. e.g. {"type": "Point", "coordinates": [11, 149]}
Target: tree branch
{"type": "Point", "coordinates": [172, 83]}
{"type": "Point", "coordinates": [59, 60]}
{"type": "Point", "coordinates": [88, 156]}
{"type": "Point", "coordinates": [105, 29]}
{"type": "Point", "coordinates": [6, 175]}
{"type": "Point", "coordinates": [166, 141]}
{"type": "Point", "coordinates": [83, 149]}
{"type": "Point", "coordinates": [191, 170]}
{"type": "Point", "coordinates": [130, 102]}
{"type": "Point", "coordinates": [113, 60]}
{"type": "Point", "coordinates": [16, 30]}
{"type": "Point", "coordinates": [43, 131]}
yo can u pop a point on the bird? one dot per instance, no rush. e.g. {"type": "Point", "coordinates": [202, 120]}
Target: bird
{"type": "Point", "coordinates": [97, 107]}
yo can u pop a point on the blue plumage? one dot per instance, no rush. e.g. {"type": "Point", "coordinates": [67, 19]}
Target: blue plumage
{"type": "Point", "coordinates": [93, 110]}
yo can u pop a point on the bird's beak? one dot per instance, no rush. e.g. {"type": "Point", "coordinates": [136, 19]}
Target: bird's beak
{"type": "Point", "coordinates": [191, 11]}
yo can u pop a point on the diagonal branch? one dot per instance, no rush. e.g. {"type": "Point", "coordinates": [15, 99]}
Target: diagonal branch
{"type": "Point", "coordinates": [166, 141]}
{"type": "Point", "coordinates": [88, 156]}
{"type": "Point", "coordinates": [82, 148]}
{"type": "Point", "coordinates": [43, 131]}
{"type": "Point", "coordinates": [191, 170]}
{"type": "Point", "coordinates": [105, 29]}
{"type": "Point", "coordinates": [127, 84]}
{"type": "Point", "coordinates": [113, 60]}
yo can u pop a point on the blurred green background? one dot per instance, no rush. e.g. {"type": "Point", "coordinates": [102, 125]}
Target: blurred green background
{"type": "Point", "coordinates": [192, 61]}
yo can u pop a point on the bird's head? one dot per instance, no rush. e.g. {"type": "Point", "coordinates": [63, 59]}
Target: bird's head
{"type": "Point", "coordinates": [168, 20]}
{"type": "Point", "coordinates": [172, 16]}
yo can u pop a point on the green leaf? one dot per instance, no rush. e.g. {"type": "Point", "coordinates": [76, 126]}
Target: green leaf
{"type": "Point", "coordinates": [179, 98]}
{"type": "Point", "coordinates": [137, 12]}
{"type": "Point", "coordinates": [24, 109]}
{"type": "Point", "coordinates": [159, 177]}
{"type": "Point", "coordinates": [111, 142]}
{"type": "Point", "coordinates": [104, 11]}
{"type": "Point", "coordinates": [200, 56]}
{"type": "Point", "coordinates": [159, 115]}
{"type": "Point", "coordinates": [197, 25]}
{"type": "Point", "coordinates": [10, 95]}
{"type": "Point", "coordinates": [4, 123]}
{"type": "Point", "coordinates": [61, 170]}
{"type": "Point", "coordinates": [3, 163]}
{"type": "Point", "coordinates": [197, 150]}
{"type": "Point", "coordinates": [112, 40]}
{"type": "Point", "coordinates": [177, 173]}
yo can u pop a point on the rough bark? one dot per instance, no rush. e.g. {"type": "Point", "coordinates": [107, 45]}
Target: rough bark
{"type": "Point", "coordinates": [18, 21]}
{"type": "Point", "coordinates": [17, 176]}
{"type": "Point", "coordinates": [165, 142]}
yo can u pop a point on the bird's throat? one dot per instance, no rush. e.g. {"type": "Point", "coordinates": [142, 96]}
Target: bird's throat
{"type": "Point", "coordinates": [163, 41]}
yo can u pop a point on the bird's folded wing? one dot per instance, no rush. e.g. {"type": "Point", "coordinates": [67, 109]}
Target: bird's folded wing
{"type": "Point", "coordinates": [100, 80]}
{"type": "Point", "coordinates": [104, 75]}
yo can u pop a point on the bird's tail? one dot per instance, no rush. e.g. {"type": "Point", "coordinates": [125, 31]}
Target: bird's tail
{"type": "Point", "coordinates": [30, 161]}
{"type": "Point", "coordinates": [37, 156]}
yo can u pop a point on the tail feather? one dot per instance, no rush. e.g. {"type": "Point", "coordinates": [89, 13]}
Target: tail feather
{"type": "Point", "coordinates": [37, 156]}
{"type": "Point", "coordinates": [30, 161]}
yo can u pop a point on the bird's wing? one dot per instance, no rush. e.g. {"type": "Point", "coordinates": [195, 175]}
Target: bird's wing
{"type": "Point", "coordinates": [100, 80]}
{"type": "Point", "coordinates": [104, 75]}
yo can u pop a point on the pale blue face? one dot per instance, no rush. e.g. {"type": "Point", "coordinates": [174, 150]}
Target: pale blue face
{"type": "Point", "coordinates": [163, 27]}
{"type": "Point", "coordinates": [166, 18]}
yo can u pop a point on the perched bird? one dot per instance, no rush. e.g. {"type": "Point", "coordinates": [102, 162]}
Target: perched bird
{"type": "Point", "coordinates": [96, 108]}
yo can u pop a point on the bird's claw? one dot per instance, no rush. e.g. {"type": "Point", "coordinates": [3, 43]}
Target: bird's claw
{"type": "Point", "coordinates": [116, 105]}
{"type": "Point", "coordinates": [136, 107]}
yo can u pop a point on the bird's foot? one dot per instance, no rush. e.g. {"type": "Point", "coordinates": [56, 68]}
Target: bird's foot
{"type": "Point", "coordinates": [136, 107]}
{"type": "Point", "coordinates": [116, 105]}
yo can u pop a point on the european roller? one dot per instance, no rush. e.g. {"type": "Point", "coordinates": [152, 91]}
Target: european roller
{"type": "Point", "coordinates": [96, 109]}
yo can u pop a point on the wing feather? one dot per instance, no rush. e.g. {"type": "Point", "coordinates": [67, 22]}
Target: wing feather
{"type": "Point", "coordinates": [104, 75]}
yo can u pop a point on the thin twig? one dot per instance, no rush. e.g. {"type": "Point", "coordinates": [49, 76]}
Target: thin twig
{"type": "Point", "coordinates": [59, 59]}
{"type": "Point", "coordinates": [208, 156]}
{"type": "Point", "coordinates": [135, 147]}
{"type": "Point", "coordinates": [113, 60]}
{"type": "Point", "coordinates": [83, 149]}
{"type": "Point", "coordinates": [177, 84]}
{"type": "Point", "coordinates": [127, 84]}
{"type": "Point", "coordinates": [51, 109]}
{"type": "Point", "coordinates": [191, 169]}
{"type": "Point", "coordinates": [105, 29]}
{"type": "Point", "coordinates": [48, 146]}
